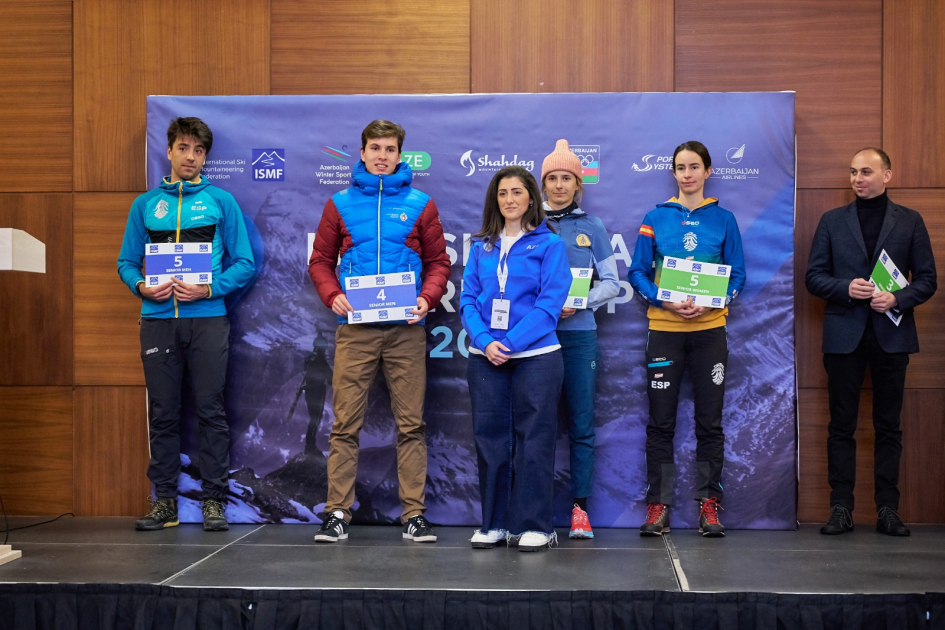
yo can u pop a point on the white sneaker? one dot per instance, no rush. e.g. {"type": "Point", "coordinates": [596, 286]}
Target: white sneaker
{"type": "Point", "coordinates": [536, 541]}
{"type": "Point", "coordinates": [489, 539]}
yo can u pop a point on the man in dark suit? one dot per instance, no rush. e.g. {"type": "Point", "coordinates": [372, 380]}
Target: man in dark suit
{"type": "Point", "coordinates": [859, 330]}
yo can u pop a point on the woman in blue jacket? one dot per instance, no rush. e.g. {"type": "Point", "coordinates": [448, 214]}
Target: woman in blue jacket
{"type": "Point", "coordinates": [588, 248]}
{"type": "Point", "coordinates": [515, 283]}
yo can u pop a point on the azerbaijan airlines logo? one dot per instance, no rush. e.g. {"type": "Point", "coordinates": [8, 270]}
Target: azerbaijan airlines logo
{"type": "Point", "coordinates": [589, 154]}
{"type": "Point", "coordinates": [268, 165]}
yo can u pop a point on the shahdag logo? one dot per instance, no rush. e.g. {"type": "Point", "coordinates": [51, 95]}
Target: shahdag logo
{"type": "Point", "coordinates": [652, 162]}
{"type": "Point", "coordinates": [690, 241]}
{"type": "Point", "coordinates": [735, 154]}
{"type": "Point", "coordinates": [589, 154]}
{"type": "Point", "coordinates": [488, 164]}
{"type": "Point", "coordinates": [269, 165]}
{"type": "Point", "coordinates": [338, 154]}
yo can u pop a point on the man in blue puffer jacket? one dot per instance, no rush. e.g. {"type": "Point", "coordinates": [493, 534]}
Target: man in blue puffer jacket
{"type": "Point", "coordinates": [379, 225]}
{"type": "Point", "coordinates": [184, 325]}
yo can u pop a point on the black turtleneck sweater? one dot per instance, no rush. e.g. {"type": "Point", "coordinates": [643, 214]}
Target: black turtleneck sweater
{"type": "Point", "coordinates": [557, 214]}
{"type": "Point", "coordinates": [871, 213]}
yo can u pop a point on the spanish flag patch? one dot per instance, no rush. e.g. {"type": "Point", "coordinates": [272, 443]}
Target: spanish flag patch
{"type": "Point", "coordinates": [646, 230]}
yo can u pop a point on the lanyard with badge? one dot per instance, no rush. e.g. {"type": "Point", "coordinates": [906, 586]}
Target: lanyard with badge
{"type": "Point", "coordinates": [501, 306]}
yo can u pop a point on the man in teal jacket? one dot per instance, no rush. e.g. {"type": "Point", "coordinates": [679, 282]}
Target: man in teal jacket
{"type": "Point", "coordinates": [184, 325]}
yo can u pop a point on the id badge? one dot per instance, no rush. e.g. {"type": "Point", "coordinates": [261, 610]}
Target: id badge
{"type": "Point", "coordinates": [500, 314]}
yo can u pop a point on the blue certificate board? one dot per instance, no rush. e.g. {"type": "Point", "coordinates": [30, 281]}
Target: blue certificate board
{"type": "Point", "coordinates": [382, 298]}
{"type": "Point", "coordinates": [188, 262]}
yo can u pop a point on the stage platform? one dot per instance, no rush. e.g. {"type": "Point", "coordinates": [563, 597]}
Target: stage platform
{"type": "Point", "coordinates": [272, 561]}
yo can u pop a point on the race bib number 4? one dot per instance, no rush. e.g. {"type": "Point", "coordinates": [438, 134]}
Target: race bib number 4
{"type": "Point", "coordinates": [384, 298]}
{"type": "Point", "coordinates": [188, 262]}
{"type": "Point", "coordinates": [705, 283]}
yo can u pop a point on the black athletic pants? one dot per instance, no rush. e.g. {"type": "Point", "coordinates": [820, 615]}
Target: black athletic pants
{"type": "Point", "coordinates": [201, 345]}
{"type": "Point", "coordinates": [845, 374]}
{"type": "Point", "coordinates": [704, 355]}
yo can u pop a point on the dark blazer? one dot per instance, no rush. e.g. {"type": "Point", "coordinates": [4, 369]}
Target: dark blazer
{"type": "Point", "coordinates": [838, 255]}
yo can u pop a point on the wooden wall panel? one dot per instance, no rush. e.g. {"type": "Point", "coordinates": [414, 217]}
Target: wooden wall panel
{"type": "Point", "coordinates": [808, 310]}
{"type": "Point", "coordinates": [342, 47]}
{"type": "Point", "coordinates": [36, 96]}
{"type": "Point", "coordinates": [830, 53]}
{"type": "Point", "coordinates": [36, 449]}
{"type": "Point", "coordinates": [107, 350]}
{"type": "Point", "coordinates": [125, 51]}
{"type": "Point", "coordinates": [914, 89]}
{"type": "Point", "coordinates": [111, 451]}
{"type": "Point", "coordinates": [922, 475]}
{"type": "Point", "coordinates": [561, 46]}
{"type": "Point", "coordinates": [36, 311]}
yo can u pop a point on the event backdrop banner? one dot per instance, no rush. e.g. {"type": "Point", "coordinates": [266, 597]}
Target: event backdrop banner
{"type": "Point", "coordinates": [282, 157]}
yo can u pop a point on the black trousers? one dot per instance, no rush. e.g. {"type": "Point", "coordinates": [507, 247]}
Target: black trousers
{"type": "Point", "coordinates": [168, 347]}
{"type": "Point", "coordinates": [704, 355]}
{"type": "Point", "coordinates": [845, 374]}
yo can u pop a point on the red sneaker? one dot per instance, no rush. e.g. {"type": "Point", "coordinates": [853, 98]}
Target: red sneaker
{"type": "Point", "coordinates": [580, 526]}
{"type": "Point", "coordinates": [657, 520]}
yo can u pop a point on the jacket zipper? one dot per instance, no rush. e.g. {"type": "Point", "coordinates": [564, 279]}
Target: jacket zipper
{"type": "Point", "coordinates": [380, 191]}
{"type": "Point", "coordinates": [180, 202]}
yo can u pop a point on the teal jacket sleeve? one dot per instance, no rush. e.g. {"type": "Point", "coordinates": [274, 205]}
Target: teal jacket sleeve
{"type": "Point", "coordinates": [242, 268]}
{"type": "Point", "coordinates": [131, 256]}
{"type": "Point", "coordinates": [554, 285]}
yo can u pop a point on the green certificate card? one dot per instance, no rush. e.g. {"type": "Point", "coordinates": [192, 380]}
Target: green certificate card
{"type": "Point", "coordinates": [580, 287]}
{"type": "Point", "coordinates": [705, 283]}
{"type": "Point", "coordinates": [887, 277]}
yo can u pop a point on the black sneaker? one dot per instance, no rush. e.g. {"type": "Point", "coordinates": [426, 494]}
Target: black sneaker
{"type": "Point", "coordinates": [840, 521]}
{"type": "Point", "coordinates": [889, 523]}
{"type": "Point", "coordinates": [418, 529]}
{"type": "Point", "coordinates": [213, 518]}
{"type": "Point", "coordinates": [163, 514]}
{"type": "Point", "coordinates": [333, 529]}
{"type": "Point", "coordinates": [709, 525]}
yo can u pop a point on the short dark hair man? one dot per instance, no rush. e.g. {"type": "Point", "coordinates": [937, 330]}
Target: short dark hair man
{"type": "Point", "coordinates": [183, 325]}
{"type": "Point", "coordinates": [861, 327]}
{"type": "Point", "coordinates": [379, 225]}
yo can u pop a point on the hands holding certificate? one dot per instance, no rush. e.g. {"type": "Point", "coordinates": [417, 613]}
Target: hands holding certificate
{"type": "Point", "coordinates": [880, 301]}
{"type": "Point", "coordinates": [686, 310]}
{"type": "Point", "coordinates": [181, 290]}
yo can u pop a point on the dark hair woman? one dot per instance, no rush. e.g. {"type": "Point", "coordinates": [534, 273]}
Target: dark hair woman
{"type": "Point", "coordinates": [516, 281]}
{"type": "Point", "coordinates": [685, 336]}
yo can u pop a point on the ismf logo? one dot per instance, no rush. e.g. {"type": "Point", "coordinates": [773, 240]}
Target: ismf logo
{"type": "Point", "coordinates": [379, 281]}
{"type": "Point", "coordinates": [354, 282]}
{"type": "Point", "coordinates": [589, 155]}
{"type": "Point", "coordinates": [895, 273]}
{"type": "Point", "coordinates": [356, 317]}
{"type": "Point", "coordinates": [204, 248]}
{"type": "Point", "coordinates": [203, 277]}
{"type": "Point", "coordinates": [153, 249]}
{"type": "Point", "coordinates": [408, 314]}
{"type": "Point", "coordinates": [696, 267]}
{"type": "Point", "coordinates": [578, 301]}
{"type": "Point", "coordinates": [178, 248]}
{"type": "Point", "coordinates": [405, 277]}
{"type": "Point", "coordinates": [268, 165]}
{"type": "Point", "coordinates": [716, 301]}
{"type": "Point", "coordinates": [153, 281]}
{"type": "Point", "coordinates": [721, 271]}
{"type": "Point", "coordinates": [671, 264]}
{"type": "Point", "coordinates": [179, 277]}
{"type": "Point", "coordinates": [583, 273]}
{"type": "Point", "coordinates": [665, 295]}
{"type": "Point", "coordinates": [382, 314]}
{"type": "Point", "coordinates": [885, 257]}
